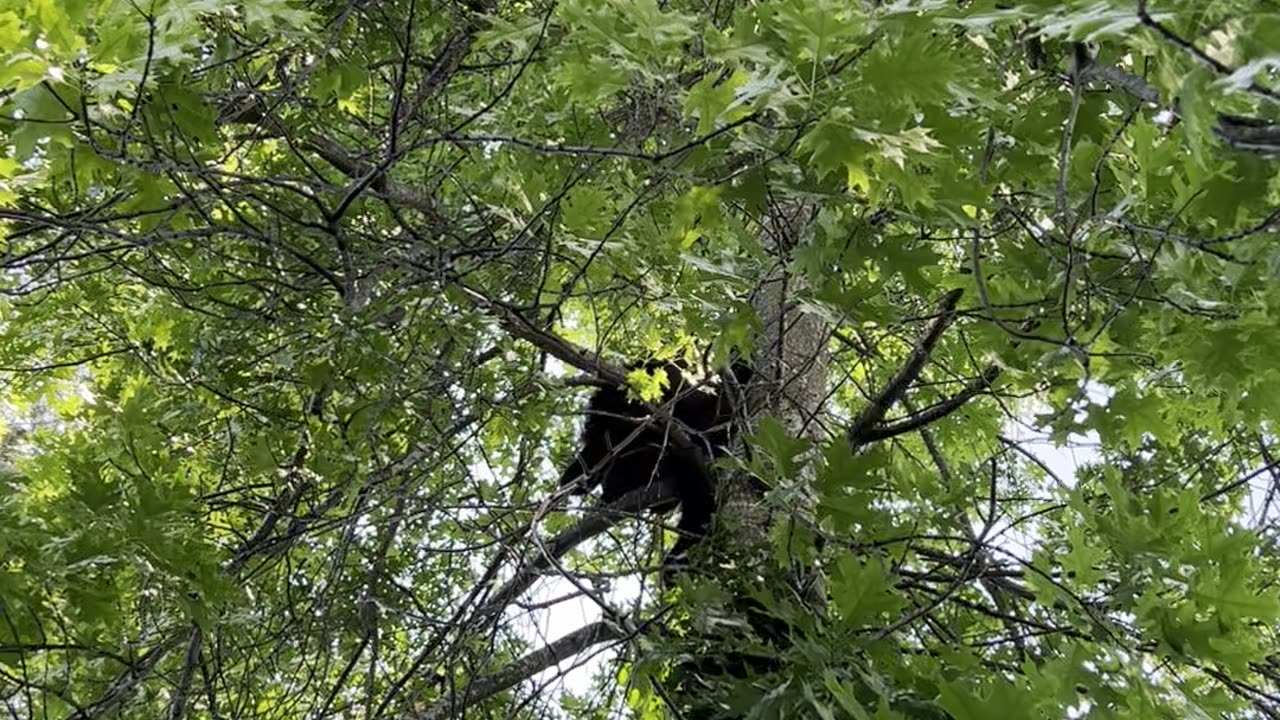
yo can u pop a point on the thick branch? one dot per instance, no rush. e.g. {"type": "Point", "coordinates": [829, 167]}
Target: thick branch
{"type": "Point", "coordinates": [520, 327]}
{"type": "Point", "coordinates": [933, 413]}
{"type": "Point", "coordinates": [526, 667]}
{"type": "Point", "coordinates": [874, 413]}
{"type": "Point", "coordinates": [595, 522]}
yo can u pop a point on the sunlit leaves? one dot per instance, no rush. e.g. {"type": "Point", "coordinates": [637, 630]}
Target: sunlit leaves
{"type": "Point", "coordinates": [592, 79]}
{"type": "Point", "coordinates": [917, 70]}
{"type": "Point", "coordinates": [711, 99]}
{"type": "Point", "coordinates": [868, 158]}
{"type": "Point", "coordinates": [634, 37]}
{"type": "Point", "coordinates": [276, 15]}
{"type": "Point", "coordinates": [816, 31]}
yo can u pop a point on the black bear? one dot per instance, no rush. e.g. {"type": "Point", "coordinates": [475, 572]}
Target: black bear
{"type": "Point", "coordinates": [611, 457]}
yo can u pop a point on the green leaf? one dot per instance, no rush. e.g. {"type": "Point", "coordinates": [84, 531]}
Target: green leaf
{"type": "Point", "coordinates": [864, 592]}
{"type": "Point", "coordinates": [845, 697]}
{"type": "Point", "coordinates": [781, 450]}
{"type": "Point", "coordinates": [962, 704]}
{"type": "Point", "coordinates": [711, 98]}
{"type": "Point", "coordinates": [816, 30]}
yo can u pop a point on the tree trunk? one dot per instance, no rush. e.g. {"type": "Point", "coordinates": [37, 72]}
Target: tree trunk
{"type": "Point", "coordinates": [791, 366]}
{"type": "Point", "coordinates": [791, 362]}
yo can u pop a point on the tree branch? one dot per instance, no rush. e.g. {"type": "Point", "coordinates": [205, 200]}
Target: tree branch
{"type": "Point", "coordinates": [933, 413]}
{"type": "Point", "coordinates": [526, 667]}
{"type": "Point", "coordinates": [598, 520]}
{"type": "Point", "coordinates": [893, 392]}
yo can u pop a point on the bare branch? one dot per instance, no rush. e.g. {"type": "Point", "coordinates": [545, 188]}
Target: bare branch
{"type": "Point", "coordinates": [526, 667]}
{"type": "Point", "coordinates": [1199, 55]}
{"type": "Point", "coordinates": [595, 522]}
{"type": "Point", "coordinates": [893, 392]}
{"type": "Point", "coordinates": [933, 413]}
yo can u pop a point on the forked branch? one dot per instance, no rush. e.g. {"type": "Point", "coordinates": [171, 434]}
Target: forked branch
{"type": "Point", "coordinates": [873, 414]}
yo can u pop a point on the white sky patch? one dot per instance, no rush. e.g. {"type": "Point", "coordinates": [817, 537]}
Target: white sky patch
{"type": "Point", "coordinates": [574, 610]}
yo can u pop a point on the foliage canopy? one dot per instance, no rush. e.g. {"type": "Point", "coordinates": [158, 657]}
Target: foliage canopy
{"type": "Point", "coordinates": [290, 289]}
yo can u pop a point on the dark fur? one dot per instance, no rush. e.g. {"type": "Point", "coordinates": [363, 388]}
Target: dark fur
{"type": "Point", "coordinates": [607, 459]}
